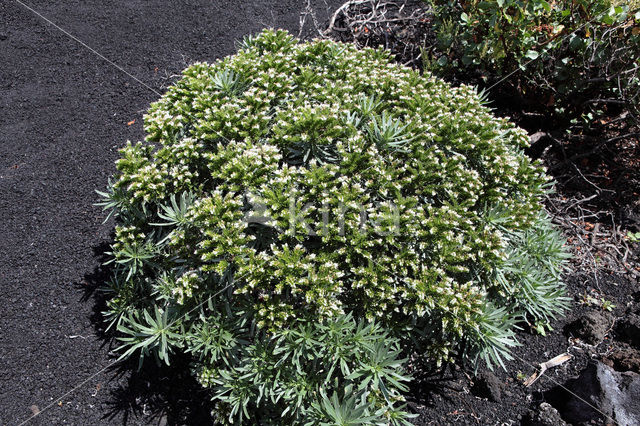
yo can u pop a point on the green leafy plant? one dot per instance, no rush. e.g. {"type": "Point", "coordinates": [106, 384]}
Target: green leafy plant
{"type": "Point", "coordinates": [387, 133]}
{"type": "Point", "coordinates": [351, 410]}
{"type": "Point", "coordinates": [572, 57]}
{"type": "Point", "coordinates": [227, 82]}
{"type": "Point", "coordinates": [594, 299]}
{"type": "Point", "coordinates": [607, 305]}
{"type": "Point", "coordinates": [304, 216]}
{"type": "Point", "coordinates": [634, 237]}
{"type": "Point", "coordinates": [149, 334]}
{"type": "Point", "coordinates": [541, 327]}
{"type": "Point", "coordinates": [288, 374]}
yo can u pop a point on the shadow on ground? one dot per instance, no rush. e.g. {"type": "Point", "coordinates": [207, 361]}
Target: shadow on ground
{"type": "Point", "coordinates": [159, 394]}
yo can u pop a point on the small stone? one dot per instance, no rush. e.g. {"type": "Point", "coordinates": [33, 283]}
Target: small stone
{"type": "Point", "coordinates": [487, 385]}
{"type": "Point", "coordinates": [628, 329]}
{"type": "Point", "coordinates": [3, 36]}
{"type": "Point", "coordinates": [544, 415]}
{"type": "Point", "coordinates": [599, 394]}
{"type": "Point", "coordinates": [591, 328]}
{"type": "Point", "coordinates": [624, 358]}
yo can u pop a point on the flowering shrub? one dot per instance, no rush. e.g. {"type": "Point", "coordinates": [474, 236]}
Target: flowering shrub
{"type": "Point", "coordinates": [292, 184]}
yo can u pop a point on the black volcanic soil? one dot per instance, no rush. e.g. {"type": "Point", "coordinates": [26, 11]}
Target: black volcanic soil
{"type": "Point", "coordinates": [64, 112]}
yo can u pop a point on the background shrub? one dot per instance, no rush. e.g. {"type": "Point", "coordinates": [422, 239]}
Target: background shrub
{"type": "Point", "coordinates": [302, 215]}
{"type": "Point", "coordinates": [570, 57]}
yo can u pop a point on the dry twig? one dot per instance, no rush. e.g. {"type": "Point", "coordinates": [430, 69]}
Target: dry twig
{"type": "Point", "coordinates": [544, 366]}
{"type": "Point", "coordinates": [403, 27]}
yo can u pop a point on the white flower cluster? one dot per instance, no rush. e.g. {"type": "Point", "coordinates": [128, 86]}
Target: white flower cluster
{"type": "Point", "coordinates": [185, 286]}
{"type": "Point", "coordinates": [374, 180]}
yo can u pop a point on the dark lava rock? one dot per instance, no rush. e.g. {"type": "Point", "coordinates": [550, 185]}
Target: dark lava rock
{"type": "Point", "coordinates": [543, 415]}
{"type": "Point", "coordinates": [624, 358]}
{"type": "Point", "coordinates": [487, 385]}
{"type": "Point", "coordinates": [590, 327]}
{"type": "Point", "coordinates": [628, 329]}
{"type": "Point", "coordinates": [598, 394]}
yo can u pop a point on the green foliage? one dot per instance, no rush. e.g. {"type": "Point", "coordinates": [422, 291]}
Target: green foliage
{"type": "Point", "coordinates": [575, 56]}
{"type": "Point", "coordinates": [634, 237]}
{"type": "Point", "coordinates": [153, 335]}
{"type": "Point", "coordinates": [527, 279]}
{"type": "Point", "coordinates": [494, 336]}
{"type": "Point", "coordinates": [287, 374]}
{"type": "Point", "coordinates": [227, 82]}
{"type": "Point", "coordinates": [351, 411]}
{"type": "Point", "coordinates": [387, 134]}
{"type": "Point", "coordinates": [596, 300]}
{"type": "Point", "coordinates": [304, 216]}
{"type": "Point", "coordinates": [113, 200]}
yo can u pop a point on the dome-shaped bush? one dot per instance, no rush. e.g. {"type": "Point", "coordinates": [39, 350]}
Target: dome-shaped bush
{"type": "Point", "coordinates": [292, 184]}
